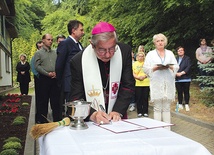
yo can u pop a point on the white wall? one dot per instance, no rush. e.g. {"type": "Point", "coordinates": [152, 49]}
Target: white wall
{"type": "Point", "coordinates": [6, 79]}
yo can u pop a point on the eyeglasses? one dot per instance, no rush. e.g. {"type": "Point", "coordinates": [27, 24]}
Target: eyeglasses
{"type": "Point", "coordinates": [103, 51]}
{"type": "Point", "coordinates": [180, 50]}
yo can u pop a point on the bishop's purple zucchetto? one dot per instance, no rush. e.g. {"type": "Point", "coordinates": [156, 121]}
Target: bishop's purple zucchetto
{"type": "Point", "coordinates": [102, 27]}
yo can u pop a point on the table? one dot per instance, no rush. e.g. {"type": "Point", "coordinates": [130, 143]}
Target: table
{"type": "Point", "coordinates": [99, 141]}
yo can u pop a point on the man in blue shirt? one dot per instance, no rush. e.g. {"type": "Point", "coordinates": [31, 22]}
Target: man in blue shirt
{"type": "Point", "coordinates": [36, 79]}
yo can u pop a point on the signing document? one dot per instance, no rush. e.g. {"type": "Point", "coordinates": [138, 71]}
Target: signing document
{"type": "Point", "coordinates": [140, 136]}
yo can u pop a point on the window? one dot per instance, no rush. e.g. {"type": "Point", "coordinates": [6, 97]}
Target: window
{"type": "Point", "coordinates": [7, 62]}
{"type": "Point", "coordinates": [2, 25]}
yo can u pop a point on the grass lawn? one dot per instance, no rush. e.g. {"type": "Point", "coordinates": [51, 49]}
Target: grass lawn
{"type": "Point", "coordinates": [17, 91]}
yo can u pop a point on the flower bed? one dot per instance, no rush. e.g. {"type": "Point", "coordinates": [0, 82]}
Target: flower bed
{"type": "Point", "coordinates": [11, 104]}
{"type": "Point", "coordinates": [14, 106]}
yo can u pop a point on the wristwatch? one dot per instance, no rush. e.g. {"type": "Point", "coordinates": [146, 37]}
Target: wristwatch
{"type": "Point", "coordinates": [121, 115]}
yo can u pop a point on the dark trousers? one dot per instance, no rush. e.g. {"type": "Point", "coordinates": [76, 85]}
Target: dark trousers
{"type": "Point", "coordinates": [49, 91]}
{"type": "Point", "coordinates": [24, 87]}
{"type": "Point", "coordinates": [183, 91]}
{"type": "Point", "coordinates": [36, 87]}
{"type": "Point", "coordinates": [62, 101]}
{"type": "Point", "coordinates": [64, 98]}
{"type": "Point", "coordinates": [142, 99]}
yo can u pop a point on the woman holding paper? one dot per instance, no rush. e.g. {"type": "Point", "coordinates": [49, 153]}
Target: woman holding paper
{"type": "Point", "coordinates": [161, 67]}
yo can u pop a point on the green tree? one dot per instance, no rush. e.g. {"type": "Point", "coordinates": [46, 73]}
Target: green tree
{"type": "Point", "coordinates": [184, 22]}
{"type": "Point", "coordinates": [28, 16]}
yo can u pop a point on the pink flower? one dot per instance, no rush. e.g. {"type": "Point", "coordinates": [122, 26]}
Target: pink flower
{"type": "Point", "coordinates": [14, 110]}
{"type": "Point", "coordinates": [17, 100]}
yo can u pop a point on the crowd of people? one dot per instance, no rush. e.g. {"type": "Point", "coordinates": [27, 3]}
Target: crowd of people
{"type": "Point", "coordinates": [107, 73]}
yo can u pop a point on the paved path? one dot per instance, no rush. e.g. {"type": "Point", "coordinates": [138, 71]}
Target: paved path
{"type": "Point", "coordinates": [197, 131]}
{"type": "Point", "coordinates": [186, 126]}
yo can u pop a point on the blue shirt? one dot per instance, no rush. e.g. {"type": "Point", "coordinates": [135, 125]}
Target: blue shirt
{"type": "Point", "coordinates": [33, 67]}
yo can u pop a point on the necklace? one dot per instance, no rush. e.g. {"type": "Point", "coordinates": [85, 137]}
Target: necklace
{"type": "Point", "coordinates": [106, 84]}
{"type": "Point", "coordinates": [162, 60]}
{"type": "Point", "coordinates": [203, 49]}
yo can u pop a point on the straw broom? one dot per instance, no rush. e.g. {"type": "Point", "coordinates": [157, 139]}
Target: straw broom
{"type": "Point", "coordinates": [39, 130]}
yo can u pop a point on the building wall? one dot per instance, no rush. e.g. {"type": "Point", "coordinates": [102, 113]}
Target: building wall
{"type": "Point", "coordinates": [6, 69]}
{"type": "Point", "coordinates": [5, 57]}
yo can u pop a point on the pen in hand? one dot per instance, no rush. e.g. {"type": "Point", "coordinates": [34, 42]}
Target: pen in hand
{"type": "Point", "coordinates": [103, 109]}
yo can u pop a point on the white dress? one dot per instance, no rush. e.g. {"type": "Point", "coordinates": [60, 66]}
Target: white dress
{"type": "Point", "coordinates": [162, 82]}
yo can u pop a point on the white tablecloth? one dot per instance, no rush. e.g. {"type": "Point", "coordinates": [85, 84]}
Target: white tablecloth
{"type": "Point", "coordinates": [99, 141]}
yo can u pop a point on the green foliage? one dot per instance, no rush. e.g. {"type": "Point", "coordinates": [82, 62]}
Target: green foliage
{"type": "Point", "coordinates": [19, 120]}
{"type": "Point", "coordinates": [12, 145]}
{"type": "Point", "coordinates": [37, 14]}
{"type": "Point", "coordinates": [208, 90]}
{"type": "Point", "coordinates": [82, 7]}
{"type": "Point", "coordinates": [12, 139]}
{"type": "Point", "coordinates": [28, 17]}
{"type": "Point", "coordinates": [23, 21]}
{"type": "Point", "coordinates": [205, 96]}
{"type": "Point", "coordinates": [29, 14]}
{"type": "Point", "coordinates": [17, 91]}
{"type": "Point", "coordinates": [136, 21]}
{"type": "Point", "coordinates": [184, 22]}
{"type": "Point", "coordinates": [9, 152]}
{"type": "Point", "coordinates": [32, 44]}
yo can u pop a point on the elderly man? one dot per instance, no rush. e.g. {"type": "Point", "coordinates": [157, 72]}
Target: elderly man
{"type": "Point", "coordinates": [102, 74]}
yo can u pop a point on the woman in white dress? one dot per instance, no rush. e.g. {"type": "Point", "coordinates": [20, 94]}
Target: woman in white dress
{"type": "Point", "coordinates": [161, 66]}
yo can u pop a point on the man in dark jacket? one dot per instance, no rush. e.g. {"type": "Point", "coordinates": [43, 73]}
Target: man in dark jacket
{"type": "Point", "coordinates": [65, 51]}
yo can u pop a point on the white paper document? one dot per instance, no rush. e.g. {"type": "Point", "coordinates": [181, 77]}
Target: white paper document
{"type": "Point", "coordinates": [136, 124]}
{"type": "Point", "coordinates": [148, 122]}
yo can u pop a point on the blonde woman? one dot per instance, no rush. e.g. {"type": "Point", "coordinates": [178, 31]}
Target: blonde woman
{"type": "Point", "coordinates": [141, 86]}
{"type": "Point", "coordinates": [141, 49]}
{"type": "Point", "coordinates": [161, 67]}
{"type": "Point", "coordinates": [23, 75]}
